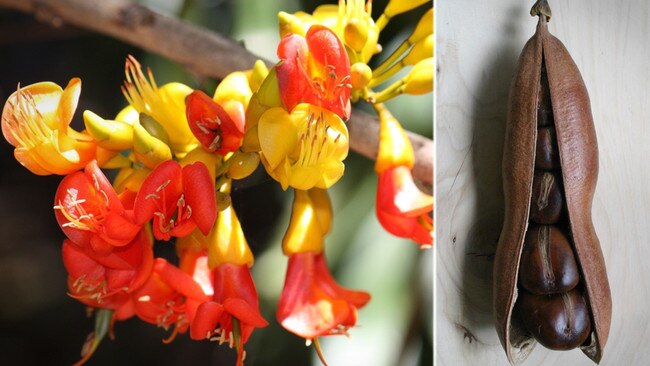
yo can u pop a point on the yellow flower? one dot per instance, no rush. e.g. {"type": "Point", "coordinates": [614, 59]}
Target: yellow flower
{"type": "Point", "coordinates": [36, 120]}
{"type": "Point", "coordinates": [166, 105]}
{"type": "Point", "coordinates": [305, 148]}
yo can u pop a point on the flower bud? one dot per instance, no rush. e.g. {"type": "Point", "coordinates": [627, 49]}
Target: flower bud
{"type": "Point", "coordinates": [257, 75]}
{"type": "Point", "coordinates": [420, 79]}
{"type": "Point", "coordinates": [423, 28]}
{"type": "Point", "coordinates": [360, 75]}
{"type": "Point", "coordinates": [421, 50]}
{"type": "Point", "coordinates": [243, 164]}
{"type": "Point", "coordinates": [112, 135]}
{"type": "Point", "coordinates": [395, 7]}
{"type": "Point", "coordinates": [149, 150]}
{"type": "Point", "coordinates": [154, 128]}
{"type": "Point", "coordinates": [290, 23]}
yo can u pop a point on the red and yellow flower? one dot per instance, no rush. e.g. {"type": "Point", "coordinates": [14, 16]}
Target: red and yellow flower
{"type": "Point", "coordinates": [36, 121]}
{"type": "Point", "coordinates": [179, 199]}
{"type": "Point", "coordinates": [90, 212]}
{"type": "Point", "coordinates": [312, 304]}
{"type": "Point", "coordinates": [402, 209]}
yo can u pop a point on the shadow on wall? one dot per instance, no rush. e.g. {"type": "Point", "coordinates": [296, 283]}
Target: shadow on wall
{"type": "Point", "coordinates": [489, 115]}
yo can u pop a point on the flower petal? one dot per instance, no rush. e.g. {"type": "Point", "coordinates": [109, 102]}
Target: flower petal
{"type": "Point", "coordinates": [200, 195]}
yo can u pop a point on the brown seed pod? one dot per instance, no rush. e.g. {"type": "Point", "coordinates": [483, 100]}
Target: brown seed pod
{"type": "Point", "coordinates": [578, 157]}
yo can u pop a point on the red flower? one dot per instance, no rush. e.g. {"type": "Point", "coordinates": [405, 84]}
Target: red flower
{"type": "Point", "coordinates": [312, 304]}
{"type": "Point", "coordinates": [234, 312]}
{"type": "Point", "coordinates": [90, 212]}
{"type": "Point", "coordinates": [105, 281]}
{"type": "Point", "coordinates": [178, 199]}
{"type": "Point", "coordinates": [402, 209]}
{"type": "Point", "coordinates": [217, 130]}
{"type": "Point", "coordinates": [315, 69]}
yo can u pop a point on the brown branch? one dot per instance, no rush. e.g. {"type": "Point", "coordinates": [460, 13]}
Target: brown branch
{"type": "Point", "coordinates": [201, 51]}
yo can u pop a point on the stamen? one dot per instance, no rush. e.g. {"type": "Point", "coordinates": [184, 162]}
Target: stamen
{"type": "Point", "coordinates": [162, 186]}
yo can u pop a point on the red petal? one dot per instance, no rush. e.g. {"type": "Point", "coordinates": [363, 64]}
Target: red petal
{"type": "Point", "coordinates": [401, 206]}
{"type": "Point", "coordinates": [397, 193]}
{"type": "Point", "coordinates": [205, 320]}
{"type": "Point", "coordinates": [326, 48]}
{"type": "Point", "coordinates": [331, 287]}
{"type": "Point", "coordinates": [97, 178]}
{"type": "Point", "coordinates": [159, 192]}
{"type": "Point", "coordinates": [209, 121]}
{"type": "Point", "coordinates": [200, 195]}
{"type": "Point", "coordinates": [73, 187]}
{"type": "Point", "coordinates": [179, 280]}
{"type": "Point", "coordinates": [77, 263]}
{"type": "Point", "coordinates": [246, 313]}
{"type": "Point", "coordinates": [118, 230]}
{"type": "Point", "coordinates": [311, 303]}
{"type": "Point", "coordinates": [293, 80]}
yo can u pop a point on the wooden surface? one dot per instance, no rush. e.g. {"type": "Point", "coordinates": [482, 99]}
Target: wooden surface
{"type": "Point", "coordinates": [478, 44]}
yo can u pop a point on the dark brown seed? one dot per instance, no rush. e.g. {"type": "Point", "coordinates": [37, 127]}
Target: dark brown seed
{"type": "Point", "coordinates": [544, 109]}
{"type": "Point", "coordinates": [546, 200]}
{"type": "Point", "coordinates": [546, 156]}
{"type": "Point", "coordinates": [559, 322]}
{"type": "Point", "coordinates": [548, 265]}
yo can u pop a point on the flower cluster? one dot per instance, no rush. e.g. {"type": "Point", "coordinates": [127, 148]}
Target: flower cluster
{"type": "Point", "coordinates": [176, 152]}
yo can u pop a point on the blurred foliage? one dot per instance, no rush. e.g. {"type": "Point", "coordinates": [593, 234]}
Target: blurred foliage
{"type": "Point", "coordinates": [42, 325]}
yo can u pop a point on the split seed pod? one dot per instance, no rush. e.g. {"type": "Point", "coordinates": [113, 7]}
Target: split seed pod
{"type": "Point", "coordinates": [577, 155]}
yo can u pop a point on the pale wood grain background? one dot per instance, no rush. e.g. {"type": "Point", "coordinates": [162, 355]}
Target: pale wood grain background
{"type": "Point", "coordinates": [478, 44]}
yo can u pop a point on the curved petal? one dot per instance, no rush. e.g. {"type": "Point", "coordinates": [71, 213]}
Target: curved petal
{"type": "Point", "coordinates": [278, 136]}
{"type": "Point", "coordinates": [68, 103]}
{"type": "Point", "coordinates": [200, 195]}
{"type": "Point", "coordinates": [205, 320]}
{"type": "Point", "coordinates": [159, 192]}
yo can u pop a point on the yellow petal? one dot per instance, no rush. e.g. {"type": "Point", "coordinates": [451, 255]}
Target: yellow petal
{"type": "Point", "coordinates": [46, 96]}
{"type": "Point", "coordinates": [304, 233]}
{"type": "Point", "coordinates": [331, 172]}
{"type": "Point", "coordinates": [129, 115]}
{"type": "Point", "coordinates": [227, 243]}
{"type": "Point", "coordinates": [278, 135]}
{"type": "Point", "coordinates": [394, 146]}
{"type": "Point", "coordinates": [24, 157]}
{"type": "Point", "coordinates": [211, 161]}
{"type": "Point", "coordinates": [322, 207]}
{"type": "Point", "coordinates": [68, 103]}
{"type": "Point", "coordinates": [234, 87]}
